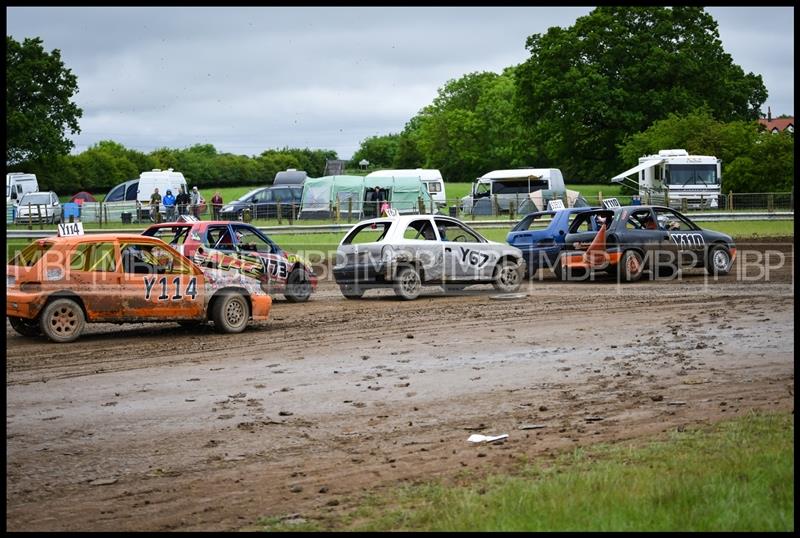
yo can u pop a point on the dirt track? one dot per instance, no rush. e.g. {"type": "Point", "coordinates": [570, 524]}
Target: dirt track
{"type": "Point", "coordinates": [154, 427]}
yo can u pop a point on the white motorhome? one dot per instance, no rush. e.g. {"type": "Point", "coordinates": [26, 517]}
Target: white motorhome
{"type": "Point", "coordinates": [674, 175]}
{"type": "Point", "coordinates": [431, 178]}
{"type": "Point", "coordinates": [506, 187]}
{"type": "Point", "coordinates": [19, 184]}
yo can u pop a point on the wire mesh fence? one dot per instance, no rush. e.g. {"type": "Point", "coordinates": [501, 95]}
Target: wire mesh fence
{"type": "Point", "coordinates": [353, 210]}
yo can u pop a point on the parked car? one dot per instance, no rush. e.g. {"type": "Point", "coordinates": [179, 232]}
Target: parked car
{"type": "Point", "coordinates": [244, 247]}
{"type": "Point", "coordinates": [630, 240]}
{"type": "Point", "coordinates": [58, 284]}
{"type": "Point", "coordinates": [39, 207]}
{"type": "Point", "coordinates": [263, 203]}
{"type": "Point", "coordinates": [540, 236]}
{"type": "Point", "coordinates": [408, 251]}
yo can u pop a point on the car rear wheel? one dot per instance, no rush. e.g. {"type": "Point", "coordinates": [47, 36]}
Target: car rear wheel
{"type": "Point", "coordinates": [230, 313]}
{"type": "Point", "coordinates": [351, 292]}
{"type": "Point", "coordinates": [507, 277]}
{"type": "Point", "coordinates": [298, 286]}
{"type": "Point", "coordinates": [719, 261]}
{"type": "Point", "coordinates": [631, 266]}
{"type": "Point", "coordinates": [407, 283]}
{"type": "Point", "coordinates": [24, 326]}
{"type": "Point", "coordinates": [62, 320]}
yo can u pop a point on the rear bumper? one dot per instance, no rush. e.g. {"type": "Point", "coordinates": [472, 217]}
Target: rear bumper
{"type": "Point", "coordinates": [360, 274]}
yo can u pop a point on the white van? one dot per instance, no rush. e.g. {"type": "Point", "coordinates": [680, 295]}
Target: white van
{"type": "Point", "coordinates": [163, 179]}
{"type": "Point", "coordinates": [19, 184]}
{"type": "Point", "coordinates": [431, 178]}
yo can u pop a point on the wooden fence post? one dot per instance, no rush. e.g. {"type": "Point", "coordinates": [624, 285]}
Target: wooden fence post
{"type": "Point", "coordinates": [279, 209]}
{"type": "Point", "coordinates": [730, 200]}
{"type": "Point", "coordinates": [349, 209]}
{"type": "Point", "coordinates": [770, 202]}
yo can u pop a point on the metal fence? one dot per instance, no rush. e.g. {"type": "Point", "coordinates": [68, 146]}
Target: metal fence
{"type": "Point", "coordinates": [352, 210]}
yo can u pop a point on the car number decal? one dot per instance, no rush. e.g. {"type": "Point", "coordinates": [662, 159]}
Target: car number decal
{"type": "Point", "coordinates": [688, 240]}
{"type": "Point", "coordinates": [150, 282]}
{"type": "Point", "coordinates": [478, 259]}
{"type": "Point", "coordinates": [277, 268]}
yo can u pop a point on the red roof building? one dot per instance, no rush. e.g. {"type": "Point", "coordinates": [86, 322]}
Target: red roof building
{"type": "Point", "coordinates": [778, 124]}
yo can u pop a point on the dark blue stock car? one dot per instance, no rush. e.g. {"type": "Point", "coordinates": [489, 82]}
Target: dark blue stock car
{"type": "Point", "coordinates": [541, 246]}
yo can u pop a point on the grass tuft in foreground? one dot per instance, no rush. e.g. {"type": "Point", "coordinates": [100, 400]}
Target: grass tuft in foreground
{"type": "Point", "coordinates": [734, 476]}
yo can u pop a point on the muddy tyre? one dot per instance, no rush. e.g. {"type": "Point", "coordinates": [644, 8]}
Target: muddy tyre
{"type": "Point", "coordinates": [62, 321]}
{"type": "Point", "coordinates": [351, 292]}
{"type": "Point", "coordinates": [507, 277]}
{"type": "Point", "coordinates": [24, 326]}
{"type": "Point", "coordinates": [719, 261]}
{"type": "Point", "coordinates": [407, 283]}
{"type": "Point", "coordinates": [298, 286]}
{"type": "Point", "coordinates": [631, 266]}
{"type": "Point", "coordinates": [230, 313]}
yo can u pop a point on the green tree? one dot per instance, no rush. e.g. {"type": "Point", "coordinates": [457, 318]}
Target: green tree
{"type": "Point", "coordinates": [619, 69]}
{"type": "Point", "coordinates": [39, 109]}
{"type": "Point", "coordinates": [380, 151]}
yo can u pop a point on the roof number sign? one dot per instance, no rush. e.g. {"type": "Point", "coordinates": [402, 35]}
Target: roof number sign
{"type": "Point", "coordinates": [67, 229]}
{"type": "Point", "coordinates": [392, 212]}
{"type": "Point", "coordinates": [188, 218]}
{"type": "Point", "coordinates": [609, 203]}
{"type": "Point", "coordinates": [553, 205]}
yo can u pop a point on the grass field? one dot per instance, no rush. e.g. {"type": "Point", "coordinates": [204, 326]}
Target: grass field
{"type": "Point", "coordinates": [734, 476]}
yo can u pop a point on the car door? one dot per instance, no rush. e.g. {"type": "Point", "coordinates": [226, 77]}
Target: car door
{"type": "Point", "coordinates": [421, 244]}
{"type": "Point", "coordinates": [158, 283]}
{"type": "Point", "coordinates": [468, 258]}
{"type": "Point", "coordinates": [638, 229]}
{"type": "Point", "coordinates": [94, 272]}
{"type": "Point", "coordinates": [259, 256]}
{"type": "Point", "coordinates": [682, 237]}
{"type": "Point", "coordinates": [264, 204]}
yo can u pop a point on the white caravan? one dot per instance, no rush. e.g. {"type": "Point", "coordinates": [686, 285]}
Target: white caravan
{"type": "Point", "coordinates": [678, 176]}
{"type": "Point", "coordinates": [18, 184]}
{"type": "Point", "coordinates": [431, 178]}
{"type": "Point", "coordinates": [163, 179]}
{"type": "Point", "coordinates": [512, 187]}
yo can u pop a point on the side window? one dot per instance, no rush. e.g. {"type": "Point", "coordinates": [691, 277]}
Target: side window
{"type": "Point", "coordinates": [97, 257]}
{"type": "Point", "coordinates": [671, 221]}
{"type": "Point", "coordinates": [152, 259]}
{"type": "Point", "coordinates": [132, 192]}
{"type": "Point", "coordinates": [219, 237]}
{"type": "Point", "coordinates": [420, 230]}
{"type": "Point", "coordinates": [453, 231]}
{"type": "Point", "coordinates": [249, 240]}
{"type": "Point", "coordinates": [641, 220]}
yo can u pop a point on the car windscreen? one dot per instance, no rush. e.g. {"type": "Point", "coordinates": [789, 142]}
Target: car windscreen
{"type": "Point", "coordinates": [37, 198]}
{"type": "Point", "coordinates": [30, 255]}
{"type": "Point", "coordinates": [244, 197]}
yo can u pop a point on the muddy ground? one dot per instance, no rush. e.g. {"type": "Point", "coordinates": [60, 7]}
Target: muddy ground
{"type": "Point", "coordinates": [155, 427]}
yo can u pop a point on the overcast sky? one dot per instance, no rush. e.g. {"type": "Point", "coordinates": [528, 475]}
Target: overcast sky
{"type": "Point", "coordinates": [249, 79]}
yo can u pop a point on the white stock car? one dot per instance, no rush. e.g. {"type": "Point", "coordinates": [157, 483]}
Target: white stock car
{"type": "Point", "coordinates": [408, 251]}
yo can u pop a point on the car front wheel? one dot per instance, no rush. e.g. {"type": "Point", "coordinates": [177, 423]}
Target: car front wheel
{"type": "Point", "coordinates": [298, 286]}
{"type": "Point", "coordinates": [719, 261]}
{"type": "Point", "coordinates": [230, 313]}
{"type": "Point", "coordinates": [507, 277]}
{"type": "Point", "coordinates": [62, 320]}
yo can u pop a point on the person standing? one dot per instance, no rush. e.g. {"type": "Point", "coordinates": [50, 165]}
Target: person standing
{"type": "Point", "coordinates": [195, 201]}
{"type": "Point", "coordinates": [155, 202]}
{"type": "Point", "coordinates": [216, 204]}
{"type": "Point", "coordinates": [169, 205]}
{"type": "Point", "coordinates": [182, 200]}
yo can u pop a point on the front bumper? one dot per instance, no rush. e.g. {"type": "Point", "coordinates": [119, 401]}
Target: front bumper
{"type": "Point", "coordinates": [262, 304]}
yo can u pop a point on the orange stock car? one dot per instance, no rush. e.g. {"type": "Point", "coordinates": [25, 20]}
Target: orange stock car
{"type": "Point", "coordinates": [56, 285]}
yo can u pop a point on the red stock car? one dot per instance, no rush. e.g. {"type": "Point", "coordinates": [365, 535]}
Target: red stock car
{"type": "Point", "coordinates": [242, 246]}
